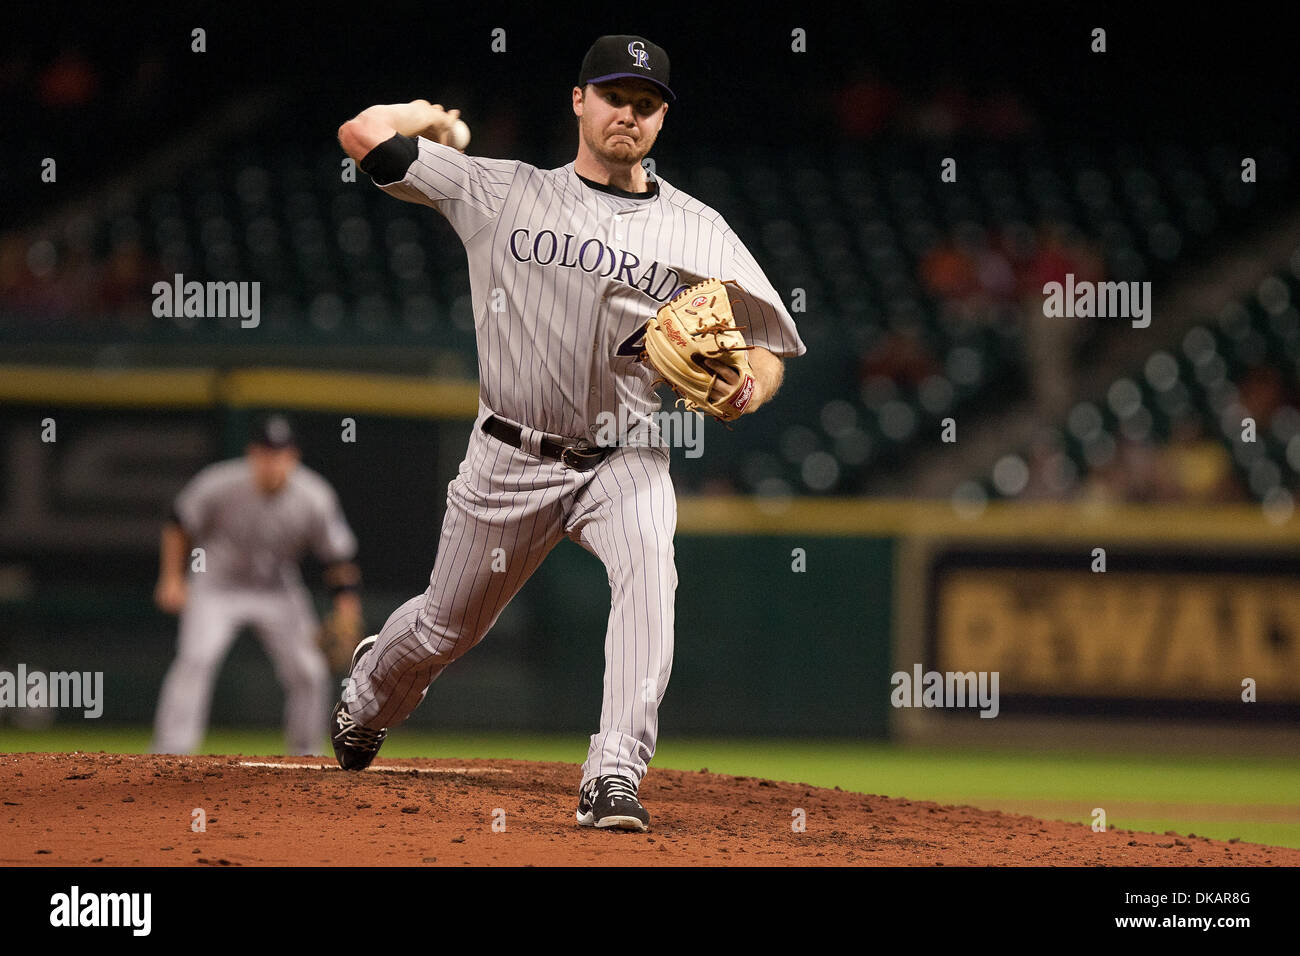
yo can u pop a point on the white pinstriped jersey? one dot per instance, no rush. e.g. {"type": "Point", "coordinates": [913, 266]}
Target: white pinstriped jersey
{"type": "Point", "coordinates": [254, 540]}
{"type": "Point", "coordinates": [563, 276]}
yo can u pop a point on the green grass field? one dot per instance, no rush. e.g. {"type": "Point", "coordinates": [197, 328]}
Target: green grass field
{"type": "Point", "coordinates": [1256, 799]}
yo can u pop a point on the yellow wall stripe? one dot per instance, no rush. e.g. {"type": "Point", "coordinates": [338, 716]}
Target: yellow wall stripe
{"type": "Point", "coordinates": [1040, 522]}
{"type": "Point", "coordinates": [287, 388]}
{"type": "Point", "coordinates": [60, 385]}
{"type": "Point", "coordinates": [403, 395]}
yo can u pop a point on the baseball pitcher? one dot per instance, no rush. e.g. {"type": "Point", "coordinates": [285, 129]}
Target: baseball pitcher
{"type": "Point", "coordinates": [590, 283]}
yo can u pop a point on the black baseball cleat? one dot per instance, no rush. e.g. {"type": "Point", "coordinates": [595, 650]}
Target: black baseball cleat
{"type": "Point", "coordinates": [354, 746]}
{"type": "Point", "coordinates": [610, 802]}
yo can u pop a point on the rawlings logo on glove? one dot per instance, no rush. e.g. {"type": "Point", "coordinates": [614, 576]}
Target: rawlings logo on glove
{"type": "Point", "coordinates": [694, 326]}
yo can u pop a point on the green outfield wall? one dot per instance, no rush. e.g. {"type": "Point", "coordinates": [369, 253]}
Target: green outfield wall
{"type": "Point", "coordinates": [792, 614]}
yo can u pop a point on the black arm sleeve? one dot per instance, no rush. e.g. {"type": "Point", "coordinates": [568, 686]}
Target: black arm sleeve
{"type": "Point", "coordinates": [388, 162]}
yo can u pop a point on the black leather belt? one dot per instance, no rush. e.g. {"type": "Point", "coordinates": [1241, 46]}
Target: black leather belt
{"type": "Point", "coordinates": [576, 457]}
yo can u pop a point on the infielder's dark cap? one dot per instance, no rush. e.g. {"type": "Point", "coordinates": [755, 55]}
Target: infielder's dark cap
{"type": "Point", "coordinates": [615, 57]}
{"type": "Point", "coordinates": [274, 431]}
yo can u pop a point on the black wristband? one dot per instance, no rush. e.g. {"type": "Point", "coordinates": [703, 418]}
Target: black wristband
{"type": "Point", "coordinates": [341, 577]}
{"type": "Point", "coordinates": [388, 162]}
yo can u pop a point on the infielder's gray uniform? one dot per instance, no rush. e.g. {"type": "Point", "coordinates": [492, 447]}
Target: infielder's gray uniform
{"type": "Point", "coordinates": [253, 543]}
{"type": "Point", "coordinates": [564, 274]}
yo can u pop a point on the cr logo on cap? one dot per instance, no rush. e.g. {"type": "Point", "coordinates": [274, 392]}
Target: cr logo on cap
{"type": "Point", "coordinates": [639, 54]}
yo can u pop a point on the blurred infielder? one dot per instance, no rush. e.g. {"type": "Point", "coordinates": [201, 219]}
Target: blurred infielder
{"type": "Point", "coordinates": [255, 517]}
{"type": "Point", "coordinates": [567, 267]}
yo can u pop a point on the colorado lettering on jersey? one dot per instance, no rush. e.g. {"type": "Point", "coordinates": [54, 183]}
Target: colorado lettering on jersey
{"type": "Point", "coordinates": [594, 256]}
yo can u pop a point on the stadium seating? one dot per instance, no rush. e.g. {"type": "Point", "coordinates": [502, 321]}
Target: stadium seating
{"type": "Point", "coordinates": [851, 234]}
{"type": "Point", "coordinates": [1231, 382]}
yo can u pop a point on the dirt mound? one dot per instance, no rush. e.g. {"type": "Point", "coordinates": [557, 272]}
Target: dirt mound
{"type": "Point", "coordinates": [75, 809]}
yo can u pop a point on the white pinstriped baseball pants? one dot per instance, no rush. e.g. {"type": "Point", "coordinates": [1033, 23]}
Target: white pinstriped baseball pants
{"type": "Point", "coordinates": [286, 622]}
{"type": "Point", "coordinates": [624, 511]}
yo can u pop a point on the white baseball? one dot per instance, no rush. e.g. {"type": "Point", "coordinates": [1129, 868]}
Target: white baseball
{"type": "Point", "coordinates": [459, 134]}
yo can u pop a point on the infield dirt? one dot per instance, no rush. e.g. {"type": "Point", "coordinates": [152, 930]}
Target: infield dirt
{"type": "Point", "coordinates": [116, 810]}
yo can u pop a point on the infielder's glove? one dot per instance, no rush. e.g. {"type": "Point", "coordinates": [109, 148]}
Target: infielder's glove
{"type": "Point", "coordinates": [338, 637]}
{"type": "Point", "coordinates": [694, 325]}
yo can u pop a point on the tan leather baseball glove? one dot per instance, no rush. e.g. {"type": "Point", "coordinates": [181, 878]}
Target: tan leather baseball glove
{"type": "Point", "coordinates": [697, 324]}
{"type": "Point", "coordinates": [338, 637]}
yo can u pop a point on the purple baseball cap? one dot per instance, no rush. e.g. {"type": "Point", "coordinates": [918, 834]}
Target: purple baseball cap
{"type": "Point", "coordinates": [616, 57]}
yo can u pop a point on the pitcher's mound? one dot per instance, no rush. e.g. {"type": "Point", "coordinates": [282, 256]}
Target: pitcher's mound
{"type": "Point", "coordinates": [116, 810]}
